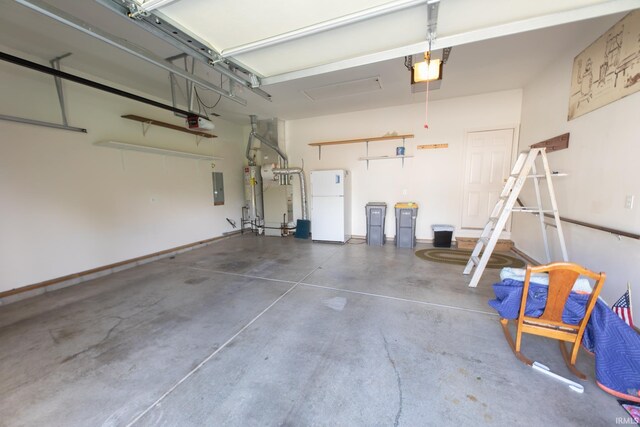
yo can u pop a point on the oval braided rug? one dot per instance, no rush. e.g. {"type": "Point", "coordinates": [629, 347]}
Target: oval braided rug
{"type": "Point", "coordinates": [461, 257]}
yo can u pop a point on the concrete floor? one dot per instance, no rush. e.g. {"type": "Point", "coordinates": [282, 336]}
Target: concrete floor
{"type": "Point", "coordinates": [272, 331]}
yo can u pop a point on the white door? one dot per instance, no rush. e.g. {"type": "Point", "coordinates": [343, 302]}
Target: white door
{"type": "Point", "coordinates": [487, 166]}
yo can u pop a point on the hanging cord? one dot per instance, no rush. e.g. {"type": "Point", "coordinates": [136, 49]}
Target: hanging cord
{"type": "Point", "coordinates": [426, 97]}
{"type": "Point", "coordinates": [205, 106]}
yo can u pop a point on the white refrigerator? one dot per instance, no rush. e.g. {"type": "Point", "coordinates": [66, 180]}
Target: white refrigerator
{"type": "Point", "coordinates": [330, 205]}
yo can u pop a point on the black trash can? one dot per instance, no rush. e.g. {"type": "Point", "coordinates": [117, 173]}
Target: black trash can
{"type": "Point", "coordinates": [442, 234]}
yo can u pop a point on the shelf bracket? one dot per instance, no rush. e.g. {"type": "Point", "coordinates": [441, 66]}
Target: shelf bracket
{"type": "Point", "coordinates": [367, 153]}
{"type": "Point", "coordinates": [55, 64]}
{"type": "Point", "coordinates": [403, 148]}
{"type": "Point", "coordinates": [145, 127]}
{"type": "Point", "coordinates": [319, 152]}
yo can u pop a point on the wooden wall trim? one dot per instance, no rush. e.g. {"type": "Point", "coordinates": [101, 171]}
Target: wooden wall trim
{"type": "Point", "coordinates": [109, 266]}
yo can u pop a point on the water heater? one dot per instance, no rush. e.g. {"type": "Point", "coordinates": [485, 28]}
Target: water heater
{"type": "Point", "coordinates": [253, 210]}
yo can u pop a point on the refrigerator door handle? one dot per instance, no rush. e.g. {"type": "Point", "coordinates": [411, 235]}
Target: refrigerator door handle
{"type": "Point", "coordinates": [337, 179]}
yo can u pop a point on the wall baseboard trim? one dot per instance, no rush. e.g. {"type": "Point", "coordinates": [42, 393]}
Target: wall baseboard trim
{"type": "Point", "coordinates": [28, 291]}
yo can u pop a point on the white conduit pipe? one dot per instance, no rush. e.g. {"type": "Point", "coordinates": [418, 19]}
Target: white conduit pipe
{"type": "Point", "coordinates": [303, 192]}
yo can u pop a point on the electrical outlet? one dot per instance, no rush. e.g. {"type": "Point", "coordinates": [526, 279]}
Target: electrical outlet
{"type": "Point", "coordinates": [628, 203]}
{"type": "Point", "coordinates": [404, 192]}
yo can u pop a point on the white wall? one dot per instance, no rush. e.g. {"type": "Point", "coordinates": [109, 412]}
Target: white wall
{"type": "Point", "coordinates": [433, 178]}
{"type": "Point", "coordinates": [602, 162]}
{"type": "Point", "coordinates": [68, 206]}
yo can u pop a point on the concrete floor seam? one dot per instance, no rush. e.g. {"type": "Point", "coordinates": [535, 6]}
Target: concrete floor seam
{"type": "Point", "coordinates": [433, 304]}
{"type": "Point", "coordinates": [248, 276]}
{"type": "Point", "coordinates": [226, 343]}
{"type": "Point", "coordinates": [452, 307]}
{"type": "Point", "coordinates": [201, 364]}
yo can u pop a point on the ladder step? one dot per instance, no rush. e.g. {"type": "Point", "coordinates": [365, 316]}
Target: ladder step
{"type": "Point", "coordinates": [532, 209]}
{"type": "Point", "coordinates": [525, 167]}
{"type": "Point", "coordinates": [515, 175]}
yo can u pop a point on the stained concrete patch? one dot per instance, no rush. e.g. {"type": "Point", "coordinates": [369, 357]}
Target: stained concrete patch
{"type": "Point", "coordinates": [335, 303]}
{"type": "Point", "coordinates": [196, 280]}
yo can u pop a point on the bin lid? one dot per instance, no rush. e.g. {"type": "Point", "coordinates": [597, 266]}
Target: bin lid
{"type": "Point", "coordinates": [406, 205]}
{"type": "Point", "coordinates": [442, 227]}
{"type": "Point", "coordinates": [377, 204]}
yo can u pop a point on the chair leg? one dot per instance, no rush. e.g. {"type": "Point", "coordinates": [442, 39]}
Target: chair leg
{"type": "Point", "coordinates": [507, 335]}
{"type": "Point", "coordinates": [570, 362]}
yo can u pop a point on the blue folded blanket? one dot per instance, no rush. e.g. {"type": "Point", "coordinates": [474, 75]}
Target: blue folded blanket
{"type": "Point", "coordinates": [615, 344]}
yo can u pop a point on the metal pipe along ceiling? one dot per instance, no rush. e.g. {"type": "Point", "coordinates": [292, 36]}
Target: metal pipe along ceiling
{"type": "Point", "coordinates": [265, 141]}
{"type": "Point", "coordinates": [81, 80]}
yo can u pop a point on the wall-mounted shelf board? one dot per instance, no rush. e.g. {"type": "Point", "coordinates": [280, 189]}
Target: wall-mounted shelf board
{"type": "Point", "coordinates": [354, 141]}
{"type": "Point", "coordinates": [383, 157]}
{"type": "Point", "coordinates": [148, 121]}
{"type": "Point", "coordinates": [432, 146]}
{"type": "Point", "coordinates": [154, 150]}
{"type": "Point", "coordinates": [557, 143]}
{"type": "Point", "coordinates": [358, 140]}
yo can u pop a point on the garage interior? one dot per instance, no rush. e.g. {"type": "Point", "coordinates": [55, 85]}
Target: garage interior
{"type": "Point", "coordinates": [157, 165]}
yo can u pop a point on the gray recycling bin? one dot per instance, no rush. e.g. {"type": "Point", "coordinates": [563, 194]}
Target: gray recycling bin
{"type": "Point", "coordinates": [406, 214]}
{"type": "Point", "coordinates": [376, 213]}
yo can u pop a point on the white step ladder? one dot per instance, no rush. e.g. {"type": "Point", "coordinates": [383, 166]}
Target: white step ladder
{"type": "Point", "coordinates": [498, 219]}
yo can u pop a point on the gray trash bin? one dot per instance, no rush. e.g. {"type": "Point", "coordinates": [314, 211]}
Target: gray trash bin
{"type": "Point", "coordinates": [442, 234]}
{"type": "Point", "coordinates": [406, 214]}
{"type": "Point", "coordinates": [376, 213]}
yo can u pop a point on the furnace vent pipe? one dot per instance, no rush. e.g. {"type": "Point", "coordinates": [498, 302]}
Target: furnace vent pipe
{"type": "Point", "coordinates": [265, 141]}
{"type": "Point", "coordinates": [303, 191]}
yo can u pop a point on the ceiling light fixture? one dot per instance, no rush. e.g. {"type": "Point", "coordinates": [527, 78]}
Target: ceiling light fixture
{"type": "Point", "coordinates": [428, 70]}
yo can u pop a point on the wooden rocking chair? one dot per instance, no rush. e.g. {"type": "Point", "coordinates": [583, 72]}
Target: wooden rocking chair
{"type": "Point", "coordinates": [562, 276]}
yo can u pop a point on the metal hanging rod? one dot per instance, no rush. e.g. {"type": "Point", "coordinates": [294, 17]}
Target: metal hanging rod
{"type": "Point", "coordinates": [81, 80]}
{"type": "Point", "coordinates": [41, 123]}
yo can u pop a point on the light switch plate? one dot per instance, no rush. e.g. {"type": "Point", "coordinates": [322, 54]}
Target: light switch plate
{"type": "Point", "coordinates": [628, 203]}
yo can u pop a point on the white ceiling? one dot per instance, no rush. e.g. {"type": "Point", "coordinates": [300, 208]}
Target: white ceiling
{"type": "Point", "coordinates": [495, 63]}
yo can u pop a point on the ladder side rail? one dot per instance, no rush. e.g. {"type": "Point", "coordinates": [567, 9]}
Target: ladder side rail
{"type": "Point", "coordinates": [486, 231]}
{"type": "Point", "coordinates": [554, 206]}
{"type": "Point", "coordinates": [504, 216]}
{"type": "Point", "coordinates": [543, 228]}
{"type": "Point", "coordinates": [495, 213]}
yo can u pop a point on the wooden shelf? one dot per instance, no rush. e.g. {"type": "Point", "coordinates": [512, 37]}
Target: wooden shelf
{"type": "Point", "coordinates": [354, 141]}
{"type": "Point", "coordinates": [167, 125]}
{"type": "Point", "coordinates": [384, 157]}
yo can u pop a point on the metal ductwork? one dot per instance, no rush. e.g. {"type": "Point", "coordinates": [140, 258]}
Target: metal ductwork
{"type": "Point", "coordinates": [303, 191]}
{"type": "Point", "coordinates": [254, 134]}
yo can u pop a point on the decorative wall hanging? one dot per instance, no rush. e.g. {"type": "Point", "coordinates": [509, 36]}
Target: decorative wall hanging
{"type": "Point", "coordinates": [607, 70]}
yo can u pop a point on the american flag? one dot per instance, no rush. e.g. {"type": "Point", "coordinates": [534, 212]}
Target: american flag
{"type": "Point", "coordinates": [622, 308]}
